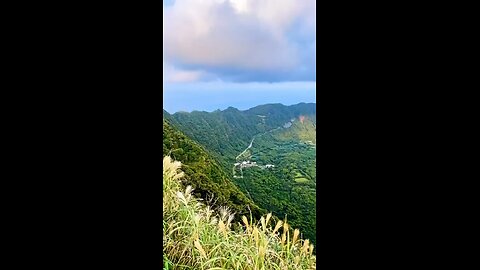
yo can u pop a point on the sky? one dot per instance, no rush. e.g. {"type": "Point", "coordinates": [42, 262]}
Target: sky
{"type": "Point", "coordinates": [239, 53]}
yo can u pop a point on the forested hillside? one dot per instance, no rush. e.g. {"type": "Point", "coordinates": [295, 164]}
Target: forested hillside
{"type": "Point", "coordinates": [229, 131]}
{"type": "Point", "coordinates": [282, 137]}
{"type": "Point", "coordinates": [204, 174]}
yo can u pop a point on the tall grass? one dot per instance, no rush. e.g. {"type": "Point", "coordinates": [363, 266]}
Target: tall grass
{"type": "Point", "coordinates": [196, 237]}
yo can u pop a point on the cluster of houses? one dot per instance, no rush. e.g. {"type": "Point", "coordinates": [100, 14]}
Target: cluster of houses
{"type": "Point", "coordinates": [248, 163]}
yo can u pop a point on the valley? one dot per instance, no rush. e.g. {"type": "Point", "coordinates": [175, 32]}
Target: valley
{"type": "Point", "coordinates": [269, 152]}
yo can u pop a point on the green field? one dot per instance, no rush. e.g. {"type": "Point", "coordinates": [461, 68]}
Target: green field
{"type": "Point", "coordinates": [301, 180]}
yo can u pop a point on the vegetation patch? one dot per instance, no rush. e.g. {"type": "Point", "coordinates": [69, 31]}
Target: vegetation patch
{"type": "Point", "coordinates": [196, 237]}
{"type": "Point", "coordinates": [301, 180]}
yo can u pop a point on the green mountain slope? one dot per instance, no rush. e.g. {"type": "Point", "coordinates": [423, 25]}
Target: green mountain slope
{"type": "Point", "coordinates": [204, 174]}
{"type": "Point", "coordinates": [283, 136]}
{"type": "Point", "coordinates": [227, 132]}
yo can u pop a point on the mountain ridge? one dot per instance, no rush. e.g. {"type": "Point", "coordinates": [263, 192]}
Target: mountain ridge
{"type": "Point", "coordinates": [252, 108]}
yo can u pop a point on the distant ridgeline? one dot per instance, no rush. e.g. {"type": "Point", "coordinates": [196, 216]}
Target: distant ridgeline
{"type": "Point", "coordinates": [204, 174]}
{"type": "Point", "coordinates": [229, 131]}
{"type": "Point", "coordinates": [284, 138]}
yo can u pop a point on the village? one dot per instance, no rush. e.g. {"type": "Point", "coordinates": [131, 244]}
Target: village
{"type": "Point", "coordinates": [247, 155]}
{"type": "Point", "coordinates": [248, 164]}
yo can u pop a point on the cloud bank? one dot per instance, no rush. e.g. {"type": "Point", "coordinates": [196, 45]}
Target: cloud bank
{"type": "Point", "coordinates": [240, 40]}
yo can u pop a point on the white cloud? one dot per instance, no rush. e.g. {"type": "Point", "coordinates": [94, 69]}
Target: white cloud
{"type": "Point", "coordinates": [175, 75]}
{"type": "Point", "coordinates": [235, 36]}
{"type": "Point", "coordinates": [185, 76]}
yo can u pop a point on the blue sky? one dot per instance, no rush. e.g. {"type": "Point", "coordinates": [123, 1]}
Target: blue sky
{"type": "Point", "coordinates": [239, 53]}
{"type": "Point", "coordinates": [168, 2]}
{"type": "Point", "coordinates": [209, 96]}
